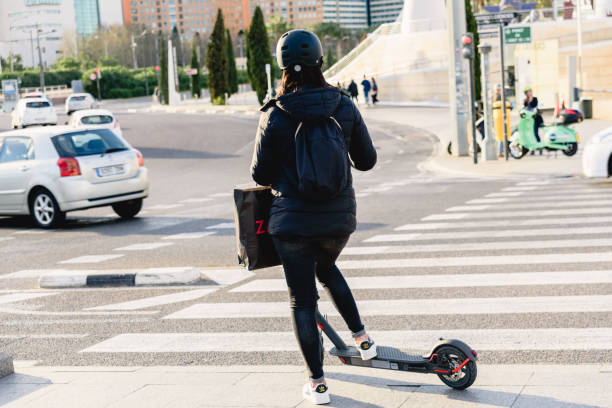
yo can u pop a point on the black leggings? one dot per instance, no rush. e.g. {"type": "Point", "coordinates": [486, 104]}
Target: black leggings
{"type": "Point", "coordinates": [302, 259]}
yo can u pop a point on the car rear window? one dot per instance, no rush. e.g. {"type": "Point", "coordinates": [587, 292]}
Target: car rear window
{"type": "Point", "coordinates": [38, 104]}
{"type": "Point", "coordinates": [87, 143]}
{"type": "Point", "coordinates": [78, 98]}
{"type": "Point", "coordinates": [96, 120]}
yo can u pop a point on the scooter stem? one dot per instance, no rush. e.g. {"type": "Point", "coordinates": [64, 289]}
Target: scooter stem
{"type": "Point", "coordinates": [329, 331]}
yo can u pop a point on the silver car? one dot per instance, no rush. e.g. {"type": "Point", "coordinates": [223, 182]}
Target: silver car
{"type": "Point", "coordinates": [78, 101]}
{"type": "Point", "coordinates": [46, 172]}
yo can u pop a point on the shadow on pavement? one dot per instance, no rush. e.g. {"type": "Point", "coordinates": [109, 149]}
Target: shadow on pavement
{"type": "Point", "coordinates": [17, 386]}
{"type": "Point", "coordinates": [168, 153]}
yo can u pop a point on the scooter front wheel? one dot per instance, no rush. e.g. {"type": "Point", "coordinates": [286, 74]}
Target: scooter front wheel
{"type": "Point", "coordinates": [516, 151]}
{"type": "Point", "coordinates": [462, 374]}
{"type": "Point", "coordinates": [572, 148]}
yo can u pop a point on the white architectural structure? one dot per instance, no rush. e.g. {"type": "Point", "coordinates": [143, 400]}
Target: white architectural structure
{"type": "Point", "coordinates": [20, 20]}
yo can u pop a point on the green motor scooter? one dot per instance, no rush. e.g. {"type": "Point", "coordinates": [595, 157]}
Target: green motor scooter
{"type": "Point", "coordinates": [555, 137]}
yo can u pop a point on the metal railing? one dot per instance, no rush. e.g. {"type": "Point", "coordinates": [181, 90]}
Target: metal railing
{"type": "Point", "coordinates": [384, 29]}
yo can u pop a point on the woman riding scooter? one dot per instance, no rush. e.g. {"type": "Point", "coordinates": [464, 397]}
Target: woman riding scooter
{"type": "Point", "coordinates": [531, 102]}
{"type": "Point", "coordinates": [310, 234]}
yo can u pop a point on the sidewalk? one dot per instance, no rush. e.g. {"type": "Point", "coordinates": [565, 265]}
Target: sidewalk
{"type": "Point", "coordinates": [436, 122]}
{"type": "Point", "coordinates": [537, 386]}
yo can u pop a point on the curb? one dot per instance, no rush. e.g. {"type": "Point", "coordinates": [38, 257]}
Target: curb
{"type": "Point", "coordinates": [148, 277]}
{"type": "Point", "coordinates": [6, 365]}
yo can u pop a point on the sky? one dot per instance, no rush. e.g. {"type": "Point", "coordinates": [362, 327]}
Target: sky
{"type": "Point", "coordinates": [110, 12]}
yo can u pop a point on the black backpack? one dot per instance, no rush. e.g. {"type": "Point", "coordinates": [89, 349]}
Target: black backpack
{"type": "Point", "coordinates": [321, 159]}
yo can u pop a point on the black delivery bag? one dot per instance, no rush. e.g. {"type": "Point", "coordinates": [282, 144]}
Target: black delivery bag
{"type": "Point", "coordinates": [252, 213]}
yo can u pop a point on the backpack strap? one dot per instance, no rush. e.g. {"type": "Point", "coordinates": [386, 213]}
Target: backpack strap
{"type": "Point", "coordinates": [336, 122]}
{"type": "Point", "coordinates": [298, 130]}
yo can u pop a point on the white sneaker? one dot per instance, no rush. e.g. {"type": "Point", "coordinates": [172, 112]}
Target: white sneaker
{"type": "Point", "coordinates": [318, 395]}
{"type": "Point", "coordinates": [367, 349]}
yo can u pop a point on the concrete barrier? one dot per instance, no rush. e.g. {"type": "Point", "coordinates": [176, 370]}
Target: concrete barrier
{"type": "Point", "coordinates": [6, 365]}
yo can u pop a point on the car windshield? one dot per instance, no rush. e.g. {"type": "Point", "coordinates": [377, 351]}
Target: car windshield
{"type": "Point", "coordinates": [37, 104]}
{"type": "Point", "coordinates": [87, 143]}
{"type": "Point", "coordinates": [78, 98]}
{"type": "Point", "coordinates": [96, 120]}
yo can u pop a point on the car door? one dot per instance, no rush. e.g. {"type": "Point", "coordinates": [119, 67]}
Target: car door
{"type": "Point", "coordinates": [16, 155]}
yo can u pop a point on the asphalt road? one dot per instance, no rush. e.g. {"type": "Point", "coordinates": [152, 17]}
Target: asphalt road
{"type": "Point", "coordinates": [196, 159]}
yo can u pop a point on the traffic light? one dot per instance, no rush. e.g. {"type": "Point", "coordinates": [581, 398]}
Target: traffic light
{"type": "Point", "coordinates": [467, 42]}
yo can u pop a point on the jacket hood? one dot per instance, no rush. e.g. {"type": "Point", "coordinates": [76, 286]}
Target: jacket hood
{"type": "Point", "coordinates": [310, 105]}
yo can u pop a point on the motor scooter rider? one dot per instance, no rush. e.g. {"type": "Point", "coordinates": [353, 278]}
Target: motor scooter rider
{"type": "Point", "coordinates": [309, 235]}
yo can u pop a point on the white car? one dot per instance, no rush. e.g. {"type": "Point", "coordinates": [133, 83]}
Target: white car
{"type": "Point", "coordinates": [33, 111]}
{"type": "Point", "coordinates": [31, 95]}
{"type": "Point", "coordinates": [79, 101]}
{"type": "Point", "coordinates": [46, 172]}
{"type": "Point", "coordinates": [597, 155]}
{"type": "Point", "coordinates": [95, 119]}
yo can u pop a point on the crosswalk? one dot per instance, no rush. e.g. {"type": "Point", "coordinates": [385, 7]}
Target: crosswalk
{"type": "Point", "coordinates": [548, 285]}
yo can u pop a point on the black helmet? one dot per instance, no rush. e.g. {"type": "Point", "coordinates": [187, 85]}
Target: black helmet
{"type": "Point", "coordinates": [299, 47]}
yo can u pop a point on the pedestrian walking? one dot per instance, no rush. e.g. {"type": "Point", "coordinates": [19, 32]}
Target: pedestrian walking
{"type": "Point", "coordinates": [353, 91]}
{"type": "Point", "coordinates": [374, 91]}
{"type": "Point", "coordinates": [310, 230]}
{"type": "Point", "coordinates": [366, 89]}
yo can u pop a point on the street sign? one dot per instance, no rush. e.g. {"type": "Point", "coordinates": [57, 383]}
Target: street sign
{"type": "Point", "coordinates": [494, 18]}
{"type": "Point", "coordinates": [92, 76]}
{"type": "Point", "coordinates": [487, 27]}
{"type": "Point", "coordinates": [488, 34]}
{"type": "Point", "coordinates": [517, 34]}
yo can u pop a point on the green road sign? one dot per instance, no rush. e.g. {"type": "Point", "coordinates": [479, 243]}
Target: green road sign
{"type": "Point", "coordinates": [517, 35]}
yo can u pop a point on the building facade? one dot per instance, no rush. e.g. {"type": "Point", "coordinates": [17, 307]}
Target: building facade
{"type": "Point", "coordinates": [352, 14]}
{"type": "Point", "coordinates": [385, 11]}
{"type": "Point", "coordinates": [21, 21]}
{"type": "Point", "coordinates": [87, 16]}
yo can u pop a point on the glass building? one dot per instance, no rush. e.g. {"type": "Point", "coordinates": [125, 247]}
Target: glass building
{"type": "Point", "coordinates": [86, 16]}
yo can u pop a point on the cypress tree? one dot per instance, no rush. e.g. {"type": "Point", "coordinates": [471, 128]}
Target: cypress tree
{"type": "Point", "coordinates": [216, 61]}
{"type": "Point", "coordinates": [195, 64]}
{"type": "Point", "coordinates": [163, 68]}
{"type": "Point", "coordinates": [258, 54]}
{"type": "Point", "coordinates": [232, 72]}
{"type": "Point", "coordinates": [178, 44]}
{"type": "Point", "coordinates": [472, 27]}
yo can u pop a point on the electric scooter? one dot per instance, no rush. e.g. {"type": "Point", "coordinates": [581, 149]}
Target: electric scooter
{"type": "Point", "coordinates": [556, 137]}
{"type": "Point", "coordinates": [453, 361]}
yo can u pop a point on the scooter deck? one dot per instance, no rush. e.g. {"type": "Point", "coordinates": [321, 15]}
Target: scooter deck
{"type": "Point", "coordinates": [383, 353]}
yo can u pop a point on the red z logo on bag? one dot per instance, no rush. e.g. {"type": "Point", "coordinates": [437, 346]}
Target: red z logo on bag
{"type": "Point", "coordinates": [261, 229]}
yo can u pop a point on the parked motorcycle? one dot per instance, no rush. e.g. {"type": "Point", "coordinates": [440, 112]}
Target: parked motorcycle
{"type": "Point", "coordinates": [558, 136]}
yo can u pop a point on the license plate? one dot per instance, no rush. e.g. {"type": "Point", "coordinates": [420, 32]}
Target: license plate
{"type": "Point", "coordinates": [110, 170]}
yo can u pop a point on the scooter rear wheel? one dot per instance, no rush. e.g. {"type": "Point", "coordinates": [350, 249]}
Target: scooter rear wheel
{"type": "Point", "coordinates": [451, 358]}
{"type": "Point", "coordinates": [571, 150]}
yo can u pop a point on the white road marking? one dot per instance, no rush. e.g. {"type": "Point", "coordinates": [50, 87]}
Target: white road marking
{"type": "Point", "coordinates": [522, 259]}
{"type": "Point", "coordinates": [506, 194]}
{"type": "Point", "coordinates": [447, 281]}
{"type": "Point", "coordinates": [42, 336]}
{"type": "Point", "coordinates": [377, 189]}
{"type": "Point", "coordinates": [478, 246]}
{"type": "Point", "coordinates": [195, 200]}
{"type": "Point", "coordinates": [530, 188]}
{"type": "Point", "coordinates": [226, 277]}
{"type": "Point", "coordinates": [402, 307]}
{"type": "Point", "coordinates": [156, 300]}
{"type": "Point", "coordinates": [144, 246]}
{"type": "Point", "coordinates": [479, 339]}
{"type": "Point", "coordinates": [20, 297]}
{"type": "Point", "coordinates": [222, 195]}
{"type": "Point", "coordinates": [48, 322]}
{"type": "Point", "coordinates": [559, 204]}
{"type": "Point", "coordinates": [189, 235]}
{"type": "Point", "coordinates": [164, 207]}
{"type": "Point", "coordinates": [14, 311]}
{"type": "Point", "coordinates": [534, 183]}
{"type": "Point", "coordinates": [504, 223]}
{"type": "Point", "coordinates": [526, 199]}
{"type": "Point", "coordinates": [490, 234]}
{"type": "Point", "coordinates": [515, 214]}
{"type": "Point", "coordinates": [223, 225]}
{"type": "Point", "coordinates": [36, 231]}
{"type": "Point", "coordinates": [6, 238]}
{"type": "Point", "coordinates": [359, 195]}
{"type": "Point", "coordinates": [91, 259]}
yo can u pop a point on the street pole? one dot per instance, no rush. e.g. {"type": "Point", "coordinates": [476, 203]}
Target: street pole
{"type": "Point", "coordinates": [579, 27]}
{"type": "Point", "coordinates": [472, 110]}
{"type": "Point", "coordinates": [32, 47]}
{"type": "Point", "coordinates": [134, 53]}
{"type": "Point", "coordinates": [456, 81]}
{"type": "Point", "coordinates": [269, 76]}
{"type": "Point", "coordinates": [42, 68]}
{"type": "Point", "coordinates": [503, 84]}
{"type": "Point", "coordinates": [488, 145]}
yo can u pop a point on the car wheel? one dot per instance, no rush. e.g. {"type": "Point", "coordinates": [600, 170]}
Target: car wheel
{"type": "Point", "coordinates": [128, 209]}
{"type": "Point", "coordinates": [44, 209]}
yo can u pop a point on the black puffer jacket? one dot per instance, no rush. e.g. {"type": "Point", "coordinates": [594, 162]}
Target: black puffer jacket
{"type": "Point", "coordinates": [274, 160]}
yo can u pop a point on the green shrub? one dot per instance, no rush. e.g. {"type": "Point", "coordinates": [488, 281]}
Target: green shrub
{"type": "Point", "coordinates": [219, 100]}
